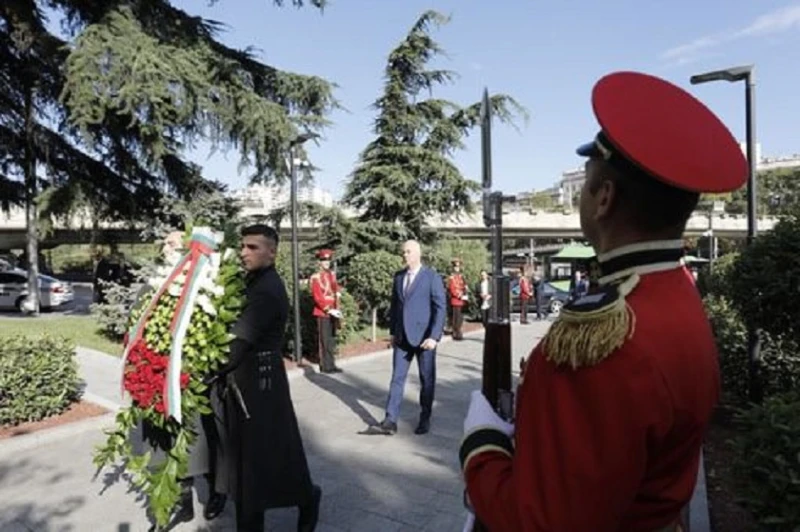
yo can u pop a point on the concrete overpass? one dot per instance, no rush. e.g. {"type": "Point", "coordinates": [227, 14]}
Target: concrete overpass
{"type": "Point", "coordinates": [516, 224]}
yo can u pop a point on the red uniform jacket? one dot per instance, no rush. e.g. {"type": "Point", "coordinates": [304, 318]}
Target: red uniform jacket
{"type": "Point", "coordinates": [456, 288]}
{"type": "Point", "coordinates": [525, 291]}
{"type": "Point", "coordinates": [614, 446]}
{"type": "Point", "coordinates": [324, 289]}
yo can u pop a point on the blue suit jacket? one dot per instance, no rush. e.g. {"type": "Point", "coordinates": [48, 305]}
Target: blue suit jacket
{"type": "Point", "coordinates": [419, 314]}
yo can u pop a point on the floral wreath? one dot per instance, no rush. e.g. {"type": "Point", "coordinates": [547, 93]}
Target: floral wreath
{"type": "Point", "coordinates": [179, 336]}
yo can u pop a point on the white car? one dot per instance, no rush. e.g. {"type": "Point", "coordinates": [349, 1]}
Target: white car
{"type": "Point", "coordinates": [14, 289]}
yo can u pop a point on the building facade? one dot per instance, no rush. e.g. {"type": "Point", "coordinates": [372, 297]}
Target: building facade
{"type": "Point", "coordinates": [262, 199]}
{"type": "Point", "coordinates": [565, 192]}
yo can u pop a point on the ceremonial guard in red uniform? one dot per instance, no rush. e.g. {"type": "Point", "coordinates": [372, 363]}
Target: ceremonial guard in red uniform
{"type": "Point", "coordinates": [457, 291]}
{"type": "Point", "coordinates": [325, 291]}
{"type": "Point", "coordinates": [525, 293]}
{"type": "Point", "coordinates": [616, 399]}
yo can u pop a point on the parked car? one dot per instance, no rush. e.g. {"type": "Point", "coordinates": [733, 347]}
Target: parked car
{"type": "Point", "coordinates": [554, 298]}
{"type": "Point", "coordinates": [53, 293]}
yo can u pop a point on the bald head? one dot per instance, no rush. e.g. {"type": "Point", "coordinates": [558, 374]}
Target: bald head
{"type": "Point", "coordinates": [412, 254]}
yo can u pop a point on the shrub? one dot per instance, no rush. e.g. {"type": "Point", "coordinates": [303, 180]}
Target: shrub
{"type": "Point", "coordinates": [731, 336]}
{"type": "Point", "coordinates": [38, 378]}
{"type": "Point", "coordinates": [780, 356]}
{"type": "Point", "coordinates": [370, 280]}
{"type": "Point", "coordinates": [767, 449]}
{"type": "Point", "coordinates": [717, 280]}
{"type": "Point", "coordinates": [765, 280]}
{"type": "Point", "coordinates": [113, 314]}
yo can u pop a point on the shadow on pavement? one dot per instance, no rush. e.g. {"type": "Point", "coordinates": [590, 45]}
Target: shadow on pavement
{"type": "Point", "coordinates": [348, 394]}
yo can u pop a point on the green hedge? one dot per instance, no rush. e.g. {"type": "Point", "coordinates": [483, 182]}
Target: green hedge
{"type": "Point", "coordinates": [780, 355]}
{"type": "Point", "coordinates": [38, 378]}
{"type": "Point", "coordinates": [767, 449]}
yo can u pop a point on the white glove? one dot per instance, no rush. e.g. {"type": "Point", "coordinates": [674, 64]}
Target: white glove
{"type": "Point", "coordinates": [470, 522]}
{"type": "Point", "coordinates": [335, 312]}
{"type": "Point", "coordinates": [481, 414]}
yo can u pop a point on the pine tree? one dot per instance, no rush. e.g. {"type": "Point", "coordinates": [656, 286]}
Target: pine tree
{"type": "Point", "coordinates": [104, 120]}
{"type": "Point", "coordinates": [406, 174]}
{"type": "Point", "coordinates": [172, 81]}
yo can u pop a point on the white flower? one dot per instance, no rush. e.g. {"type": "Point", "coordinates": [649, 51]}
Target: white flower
{"type": "Point", "coordinates": [217, 289]}
{"type": "Point", "coordinates": [206, 305]}
{"type": "Point", "coordinates": [213, 267]}
{"type": "Point", "coordinates": [227, 254]}
{"type": "Point", "coordinates": [174, 290]}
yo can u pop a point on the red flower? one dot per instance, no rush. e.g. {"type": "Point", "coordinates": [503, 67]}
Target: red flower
{"type": "Point", "coordinates": [145, 376]}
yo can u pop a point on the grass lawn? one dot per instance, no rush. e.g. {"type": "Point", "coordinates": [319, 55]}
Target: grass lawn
{"type": "Point", "coordinates": [365, 334]}
{"type": "Point", "coordinates": [82, 330]}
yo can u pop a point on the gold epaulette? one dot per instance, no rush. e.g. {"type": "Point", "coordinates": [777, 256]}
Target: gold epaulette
{"type": "Point", "coordinates": [592, 327]}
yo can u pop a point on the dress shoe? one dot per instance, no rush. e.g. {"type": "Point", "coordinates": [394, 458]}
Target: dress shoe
{"type": "Point", "coordinates": [423, 427]}
{"type": "Point", "coordinates": [385, 428]}
{"type": "Point", "coordinates": [214, 506]}
{"type": "Point", "coordinates": [334, 369]}
{"type": "Point", "coordinates": [388, 427]}
{"type": "Point", "coordinates": [309, 514]}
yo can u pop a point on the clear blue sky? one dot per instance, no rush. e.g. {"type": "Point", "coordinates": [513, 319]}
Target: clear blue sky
{"type": "Point", "coordinates": [545, 54]}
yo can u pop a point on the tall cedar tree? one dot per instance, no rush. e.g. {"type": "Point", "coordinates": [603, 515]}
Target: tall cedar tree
{"type": "Point", "coordinates": [406, 174]}
{"type": "Point", "coordinates": [104, 120]}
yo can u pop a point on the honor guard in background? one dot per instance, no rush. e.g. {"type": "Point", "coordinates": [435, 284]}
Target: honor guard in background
{"type": "Point", "coordinates": [525, 293]}
{"type": "Point", "coordinates": [325, 291]}
{"type": "Point", "coordinates": [457, 291]}
{"type": "Point", "coordinates": [616, 399]}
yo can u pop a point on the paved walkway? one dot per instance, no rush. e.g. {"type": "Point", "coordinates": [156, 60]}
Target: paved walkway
{"type": "Point", "coordinates": [370, 483]}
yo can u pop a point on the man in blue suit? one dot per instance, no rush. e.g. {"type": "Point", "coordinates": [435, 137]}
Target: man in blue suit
{"type": "Point", "coordinates": [417, 315]}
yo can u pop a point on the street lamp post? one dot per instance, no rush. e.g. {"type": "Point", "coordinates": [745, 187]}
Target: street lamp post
{"type": "Point", "coordinates": [293, 165]}
{"type": "Point", "coordinates": [745, 73]}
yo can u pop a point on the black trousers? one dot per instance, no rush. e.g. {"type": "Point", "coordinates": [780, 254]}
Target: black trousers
{"type": "Point", "coordinates": [458, 320]}
{"type": "Point", "coordinates": [523, 310]}
{"type": "Point", "coordinates": [327, 343]}
{"type": "Point", "coordinates": [541, 311]}
{"type": "Point", "coordinates": [249, 522]}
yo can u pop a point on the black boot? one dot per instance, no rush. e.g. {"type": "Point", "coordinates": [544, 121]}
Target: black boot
{"type": "Point", "coordinates": [309, 513]}
{"type": "Point", "coordinates": [214, 506]}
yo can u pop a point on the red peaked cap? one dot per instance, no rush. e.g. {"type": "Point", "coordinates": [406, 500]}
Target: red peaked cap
{"type": "Point", "coordinates": [325, 254]}
{"type": "Point", "coordinates": [655, 126]}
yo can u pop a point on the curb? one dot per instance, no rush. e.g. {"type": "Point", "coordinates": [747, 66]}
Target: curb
{"type": "Point", "coordinates": [26, 442]}
{"type": "Point", "coordinates": [699, 519]}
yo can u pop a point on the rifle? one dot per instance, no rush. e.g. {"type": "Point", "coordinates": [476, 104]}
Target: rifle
{"type": "Point", "coordinates": [497, 339]}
